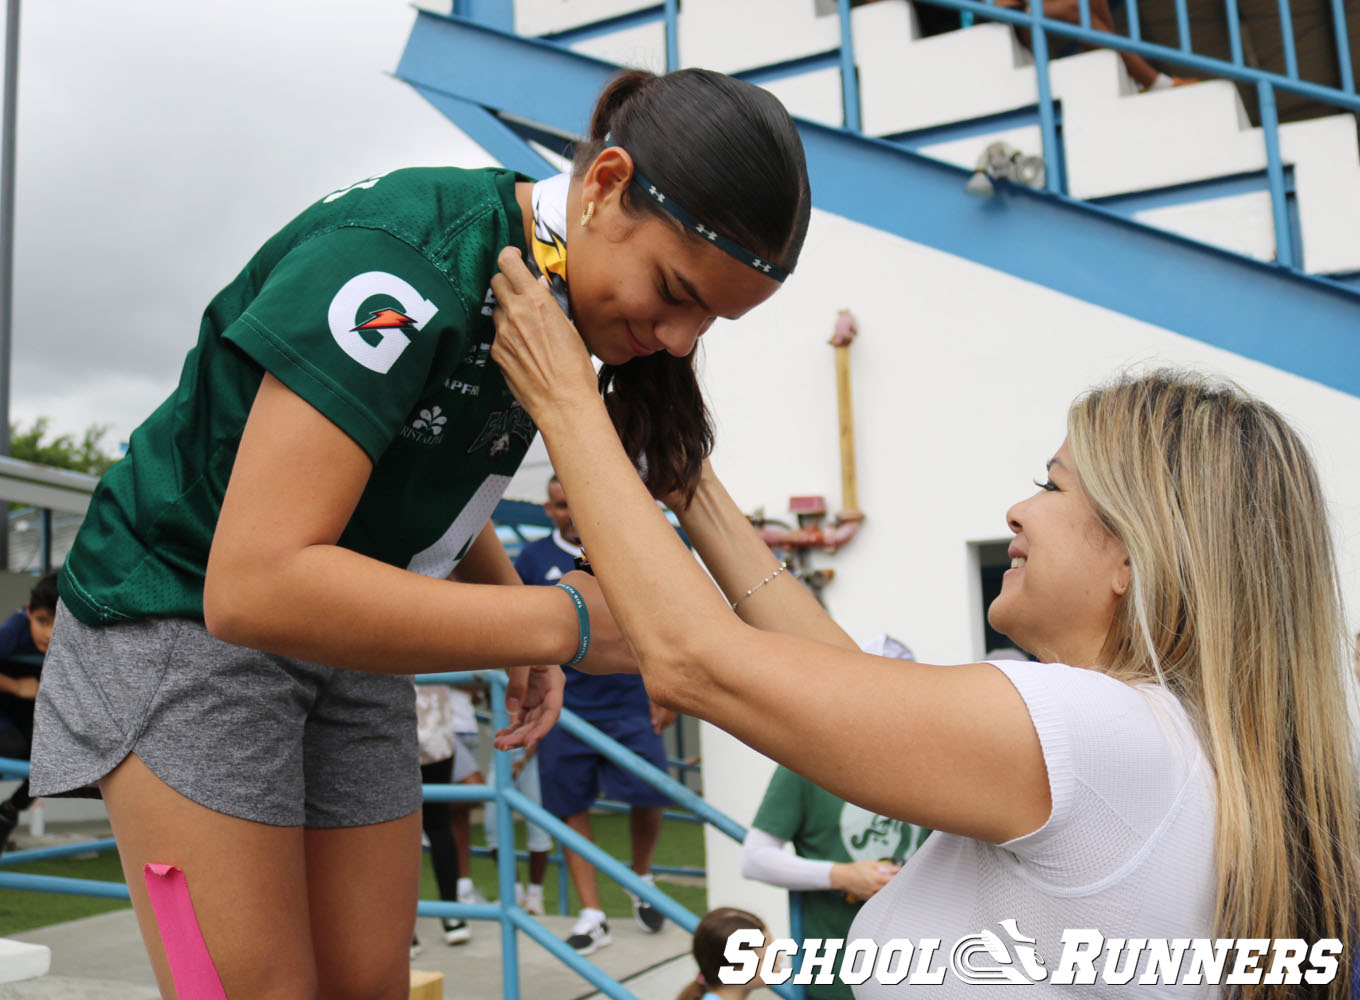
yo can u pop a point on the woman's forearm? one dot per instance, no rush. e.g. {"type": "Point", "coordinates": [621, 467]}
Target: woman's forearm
{"type": "Point", "coordinates": [665, 604]}
{"type": "Point", "coordinates": [739, 559]}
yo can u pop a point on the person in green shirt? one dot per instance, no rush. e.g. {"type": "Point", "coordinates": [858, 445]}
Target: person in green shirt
{"type": "Point", "coordinates": [305, 520]}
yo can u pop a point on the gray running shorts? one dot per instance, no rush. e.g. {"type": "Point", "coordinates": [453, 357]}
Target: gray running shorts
{"type": "Point", "coordinates": [245, 733]}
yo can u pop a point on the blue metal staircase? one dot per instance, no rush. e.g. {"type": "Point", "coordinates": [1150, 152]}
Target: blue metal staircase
{"type": "Point", "coordinates": [505, 91]}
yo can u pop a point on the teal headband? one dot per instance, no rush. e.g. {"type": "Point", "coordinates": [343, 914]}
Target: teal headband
{"type": "Point", "coordinates": [726, 244]}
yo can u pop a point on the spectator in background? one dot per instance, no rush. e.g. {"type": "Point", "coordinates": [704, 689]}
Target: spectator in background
{"type": "Point", "coordinates": [572, 774]}
{"type": "Point", "coordinates": [845, 854]}
{"type": "Point", "coordinates": [462, 700]}
{"type": "Point", "coordinates": [23, 634]}
{"type": "Point", "coordinates": [710, 953]}
{"type": "Point", "coordinates": [1143, 72]}
{"type": "Point", "coordinates": [443, 760]}
{"type": "Point", "coordinates": [524, 772]}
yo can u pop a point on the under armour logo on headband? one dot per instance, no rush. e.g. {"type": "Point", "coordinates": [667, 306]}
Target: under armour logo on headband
{"type": "Point", "coordinates": [728, 246]}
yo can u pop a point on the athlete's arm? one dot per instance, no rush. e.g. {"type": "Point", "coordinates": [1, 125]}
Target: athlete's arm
{"type": "Point", "coordinates": [277, 580]}
{"type": "Point", "coordinates": [534, 695]}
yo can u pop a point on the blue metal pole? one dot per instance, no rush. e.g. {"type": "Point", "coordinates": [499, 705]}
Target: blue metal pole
{"type": "Point", "coordinates": [60, 851]}
{"type": "Point", "coordinates": [610, 866]}
{"type": "Point", "coordinates": [1135, 29]}
{"type": "Point", "coordinates": [1084, 13]}
{"type": "Point", "coordinates": [1047, 127]}
{"type": "Point", "coordinates": [568, 957]}
{"type": "Point", "coordinates": [1183, 25]}
{"type": "Point", "coordinates": [505, 864]}
{"type": "Point", "coordinates": [849, 74]}
{"type": "Point", "coordinates": [63, 886]}
{"type": "Point", "coordinates": [1234, 31]}
{"type": "Point", "coordinates": [1291, 58]}
{"type": "Point", "coordinates": [12, 767]}
{"type": "Point", "coordinates": [634, 764]}
{"type": "Point", "coordinates": [672, 35]}
{"type": "Point", "coordinates": [1343, 47]}
{"type": "Point", "coordinates": [1270, 128]}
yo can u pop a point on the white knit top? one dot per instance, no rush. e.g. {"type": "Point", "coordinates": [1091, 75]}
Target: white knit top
{"type": "Point", "coordinates": [1128, 848]}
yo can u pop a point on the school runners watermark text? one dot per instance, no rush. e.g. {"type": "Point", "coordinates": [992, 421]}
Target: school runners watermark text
{"type": "Point", "coordinates": [1011, 957]}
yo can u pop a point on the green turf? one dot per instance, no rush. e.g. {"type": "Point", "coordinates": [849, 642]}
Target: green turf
{"type": "Point", "coordinates": [681, 844]}
{"type": "Point", "coordinates": [22, 910]}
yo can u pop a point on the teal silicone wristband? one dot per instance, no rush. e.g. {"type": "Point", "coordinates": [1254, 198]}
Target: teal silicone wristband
{"type": "Point", "coordinates": [582, 622]}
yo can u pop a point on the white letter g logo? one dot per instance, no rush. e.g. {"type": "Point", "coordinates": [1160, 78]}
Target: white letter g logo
{"type": "Point", "coordinates": [389, 324]}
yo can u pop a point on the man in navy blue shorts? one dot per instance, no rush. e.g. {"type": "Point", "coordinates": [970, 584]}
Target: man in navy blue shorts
{"type": "Point", "coordinates": [572, 774]}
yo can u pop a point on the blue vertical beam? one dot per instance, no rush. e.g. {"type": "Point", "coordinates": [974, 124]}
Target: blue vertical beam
{"type": "Point", "coordinates": [1048, 128]}
{"type": "Point", "coordinates": [1291, 59]}
{"type": "Point", "coordinates": [1135, 29]}
{"type": "Point", "coordinates": [672, 35]}
{"type": "Point", "coordinates": [1234, 31]}
{"type": "Point", "coordinates": [1343, 47]}
{"type": "Point", "coordinates": [1183, 25]}
{"type": "Point", "coordinates": [505, 861]}
{"type": "Point", "coordinates": [1279, 207]}
{"type": "Point", "coordinates": [849, 74]}
{"type": "Point", "coordinates": [491, 13]}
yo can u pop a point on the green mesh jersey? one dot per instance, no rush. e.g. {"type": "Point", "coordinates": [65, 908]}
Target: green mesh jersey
{"type": "Point", "coordinates": [374, 306]}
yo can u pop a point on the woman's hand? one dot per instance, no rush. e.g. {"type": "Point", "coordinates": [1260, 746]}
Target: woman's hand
{"type": "Point", "coordinates": [862, 879]}
{"type": "Point", "coordinates": [538, 350]}
{"type": "Point", "coordinates": [533, 700]}
{"type": "Point", "coordinates": [609, 650]}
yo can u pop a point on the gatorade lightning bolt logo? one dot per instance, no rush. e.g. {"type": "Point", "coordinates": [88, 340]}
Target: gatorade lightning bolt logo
{"type": "Point", "coordinates": [386, 319]}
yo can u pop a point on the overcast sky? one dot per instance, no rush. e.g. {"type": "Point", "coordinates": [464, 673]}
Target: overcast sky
{"type": "Point", "coordinates": [160, 143]}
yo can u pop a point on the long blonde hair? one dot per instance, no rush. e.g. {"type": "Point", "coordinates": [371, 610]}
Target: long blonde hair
{"type": "Point", "coordinates": [1234, 605]}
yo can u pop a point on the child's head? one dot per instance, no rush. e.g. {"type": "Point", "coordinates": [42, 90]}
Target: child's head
{"type": "Point", "coordinates": [710, 942]}
{"type": "Point", "coordinates": [42, 610]}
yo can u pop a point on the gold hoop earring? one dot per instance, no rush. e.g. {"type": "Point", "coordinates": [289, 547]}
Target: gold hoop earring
{"type": "Point", "coordinates": [588, 214]}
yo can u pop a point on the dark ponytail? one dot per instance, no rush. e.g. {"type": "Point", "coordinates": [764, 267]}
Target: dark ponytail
{"type": "Point", "coordinates": [710, 944]}
{"type": "Point", "coordinates": [729, 153]}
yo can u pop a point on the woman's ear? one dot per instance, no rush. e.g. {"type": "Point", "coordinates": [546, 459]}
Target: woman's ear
{"type": "Point", "coordinates": [607, 178]}
{"type": "Point", "coordinates": [1123, 576]}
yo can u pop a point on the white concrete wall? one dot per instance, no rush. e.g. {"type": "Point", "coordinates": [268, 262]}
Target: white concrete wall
{"type": "Point", "coordinates": [962, 377]}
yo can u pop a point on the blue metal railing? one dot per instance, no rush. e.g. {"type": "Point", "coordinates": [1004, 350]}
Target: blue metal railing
{"type": "Point", "coordinates": [503, 797]}
{"type": "Point", "coordinates": [1266, 84]}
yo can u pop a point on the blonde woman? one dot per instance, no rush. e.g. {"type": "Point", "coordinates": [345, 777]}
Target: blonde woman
{"type": "Point", "coordinates": [1177, 766]}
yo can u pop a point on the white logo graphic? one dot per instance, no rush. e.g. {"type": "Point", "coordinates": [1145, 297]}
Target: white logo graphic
{"type": "Point", "coordinates": [345, 321]}
{"type": "Point", "coordinates": [999, 965]}
{"type": "Point", "coordinates": [432, 420]}
{"type": "Point", "coordinates": [364, 184]}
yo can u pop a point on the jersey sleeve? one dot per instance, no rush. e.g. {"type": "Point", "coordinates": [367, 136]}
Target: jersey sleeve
{"type": "Point", "coordinates": [781, 811]}
{"type": "Point", "coordinates": [1116, 766]}
{"type": "Point", "coordinates": [351, 321]}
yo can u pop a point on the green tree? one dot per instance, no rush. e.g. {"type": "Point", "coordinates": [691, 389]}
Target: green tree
{"type": "Point", "coordinates": [63, 451]}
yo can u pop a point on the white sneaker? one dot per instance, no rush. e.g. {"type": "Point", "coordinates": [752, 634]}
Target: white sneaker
{"type": "Point", "coordinates": [533, 901]}
{"type": "Point", "coordinates": [456, 931]}
{"type": "Point", "coordinates": [590, 932]}
{"type": "Point", "coordinates": [470, 895]}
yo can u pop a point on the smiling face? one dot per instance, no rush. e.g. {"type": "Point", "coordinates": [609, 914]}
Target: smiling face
{"type": "Point", "coordinates": [1067, 572]}
{"type": "Point", "coordinates": [639, 283]}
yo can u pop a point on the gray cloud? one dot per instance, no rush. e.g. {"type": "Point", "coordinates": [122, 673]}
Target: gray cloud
{"type": "Point", "coordinates": [160, 143]}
